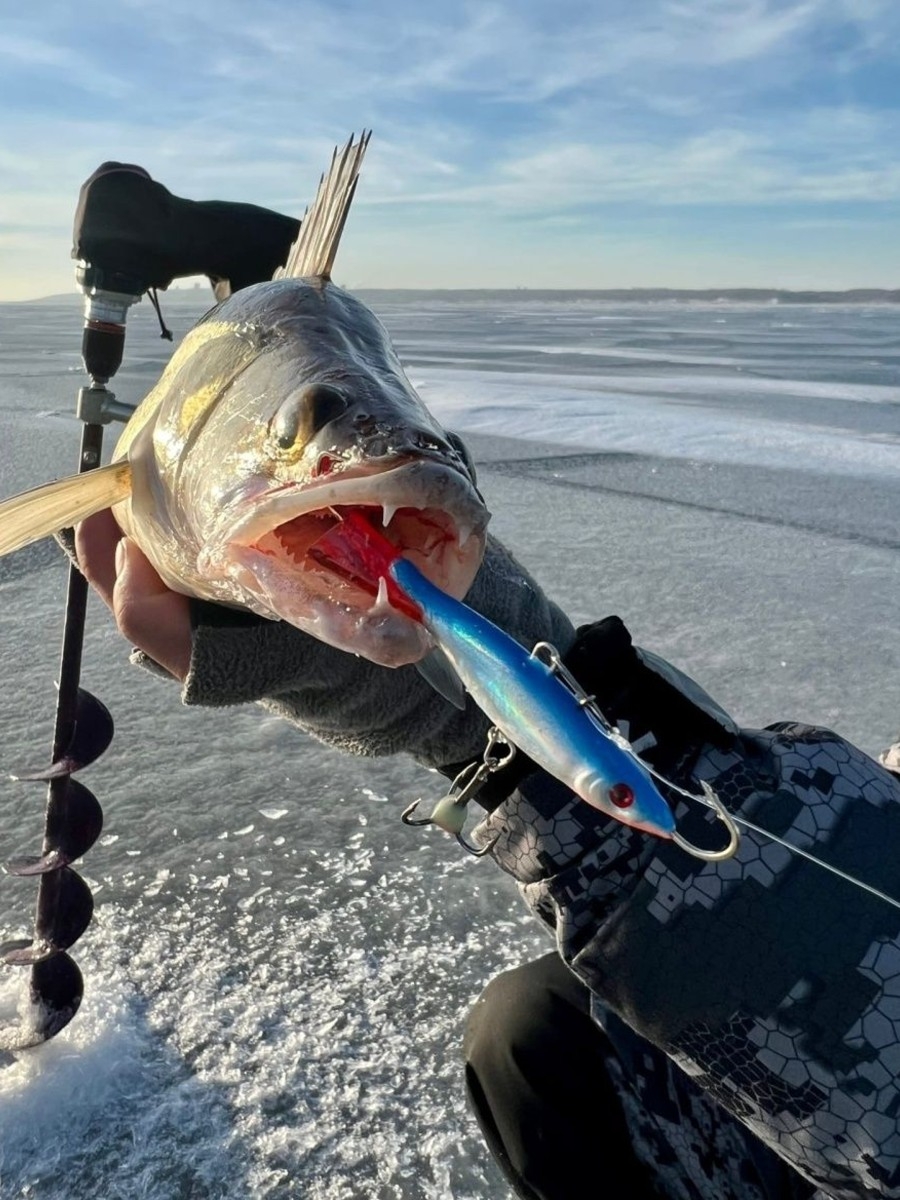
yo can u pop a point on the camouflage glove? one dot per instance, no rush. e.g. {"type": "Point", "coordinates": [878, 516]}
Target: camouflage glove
{"type": "Point", "coordinates": [768, 981]}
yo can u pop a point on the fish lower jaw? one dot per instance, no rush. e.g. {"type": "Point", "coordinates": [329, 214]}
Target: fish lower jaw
{"type": "Point", "coordinates": [329, 609]}
{"type": "Point", "coordinates": [359, 625]}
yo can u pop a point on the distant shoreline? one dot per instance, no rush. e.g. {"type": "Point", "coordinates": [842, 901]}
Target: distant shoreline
{"type": "Point", "coordinates": [649, 295]}
{"type": "Point", "coordinates": [622, 295]}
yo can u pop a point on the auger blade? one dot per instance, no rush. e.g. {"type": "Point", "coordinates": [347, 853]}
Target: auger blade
{"type": "Point", "coordinates": [12, 947]}
{"type": "Point", "coordinates": [23, 952]}
{"type": "Point", "coordinates": [34, 864]}
{"type": "Point", "coordinates": [74, 822]}
{"type": "Point", "coordinates": [55, 995]}
{"type": "Point", "coordinates": [64, 910]}
{"type": "Point", "coordinates": [56, 991]}
{"type": "Point", "coordinates": [93, 731]}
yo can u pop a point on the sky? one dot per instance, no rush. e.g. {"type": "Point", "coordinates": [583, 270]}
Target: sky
{"type": "Point", "coordinates": [516, 143]}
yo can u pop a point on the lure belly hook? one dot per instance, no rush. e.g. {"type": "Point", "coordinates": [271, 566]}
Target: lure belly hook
{"type": "Point", "coordinates": [449, 813]}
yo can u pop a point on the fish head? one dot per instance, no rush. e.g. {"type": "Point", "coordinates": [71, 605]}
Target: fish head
{"type": "Point", "coordinates": [285, 408]}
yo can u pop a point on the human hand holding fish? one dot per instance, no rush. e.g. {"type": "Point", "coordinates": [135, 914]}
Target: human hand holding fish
{"type": "Point", "coordinates": [148, 613]}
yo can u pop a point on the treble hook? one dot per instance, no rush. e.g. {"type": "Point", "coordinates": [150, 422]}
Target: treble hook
{"type": "Point", "coordinates": [449, 813]}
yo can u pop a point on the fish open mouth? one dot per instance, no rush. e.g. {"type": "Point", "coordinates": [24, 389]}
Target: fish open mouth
{"type": "Point", "coordinates": [427, 537]}
{"type": "Point", "coordinates": [428, 511]}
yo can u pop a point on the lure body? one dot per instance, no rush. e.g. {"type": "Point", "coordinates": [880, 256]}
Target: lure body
{"type": "Point", "coordinates": [523, 695]}
{"type": "Point", "coordinates": [530, 705]}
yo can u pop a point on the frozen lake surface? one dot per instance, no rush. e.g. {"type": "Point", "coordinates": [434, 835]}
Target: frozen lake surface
{"type": "Point", "coordinates": [278, 970]}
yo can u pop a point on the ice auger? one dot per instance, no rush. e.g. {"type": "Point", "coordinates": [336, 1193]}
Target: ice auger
{"type": "Point", "coordinates": [131, 236]}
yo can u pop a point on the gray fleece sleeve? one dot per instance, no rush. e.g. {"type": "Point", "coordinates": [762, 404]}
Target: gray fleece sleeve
{"type": "Point", "coordinates": [349, 702]}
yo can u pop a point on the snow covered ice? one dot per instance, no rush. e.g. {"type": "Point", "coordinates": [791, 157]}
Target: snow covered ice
{"type": "Point", "coordinates": [278, 971]}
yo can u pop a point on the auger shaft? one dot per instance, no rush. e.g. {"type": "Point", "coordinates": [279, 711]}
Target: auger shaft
{"type": "Point", "coordinates": [73, 820]}
{"type": "Point", "coordinates": [47, 912]}
{"type": "Point", "coordinates": [73, 626]}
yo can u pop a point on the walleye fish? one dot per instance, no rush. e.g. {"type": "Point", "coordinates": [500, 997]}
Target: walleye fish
{"type": "Point", "coordinates": [283, 408]}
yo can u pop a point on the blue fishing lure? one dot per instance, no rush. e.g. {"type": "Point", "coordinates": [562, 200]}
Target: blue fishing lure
{"type": "Point", "coordinates": [524, 695]}
{"type": "Point", "coordinates": [531, 697]}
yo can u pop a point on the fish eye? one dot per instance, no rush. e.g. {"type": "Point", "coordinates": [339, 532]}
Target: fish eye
{"type": "Point", "coordinates": [305, 412]}
{"type": "Point", "coordinates": [285, 428]}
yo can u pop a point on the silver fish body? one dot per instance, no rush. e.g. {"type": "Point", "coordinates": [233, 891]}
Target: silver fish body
{"type": "Point", "coordinates": [284, 406]}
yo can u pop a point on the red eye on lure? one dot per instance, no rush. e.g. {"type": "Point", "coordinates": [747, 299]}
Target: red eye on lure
{"type": "Point", "coordinates": [621, 795]}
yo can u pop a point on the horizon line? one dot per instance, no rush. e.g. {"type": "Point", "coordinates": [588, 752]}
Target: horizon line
{"type": "Point", "coordinates": [613, 292]}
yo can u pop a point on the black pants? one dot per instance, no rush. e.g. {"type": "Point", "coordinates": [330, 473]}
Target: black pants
{"type": "Point", "coordinates": [538, 1078]}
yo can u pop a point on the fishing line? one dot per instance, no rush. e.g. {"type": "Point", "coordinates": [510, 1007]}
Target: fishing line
{"type": "Point", "coordinates": [548, 654]}
{"type": "Point", "coordinates": [866, 887]}
{"type": "Point", "coordinates": [773, 837]}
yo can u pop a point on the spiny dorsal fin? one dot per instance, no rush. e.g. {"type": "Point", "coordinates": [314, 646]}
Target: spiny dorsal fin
{"type": "Point", "coordinates": [323, 222]}
{"type": "Point", "coordinates": [53, 506]}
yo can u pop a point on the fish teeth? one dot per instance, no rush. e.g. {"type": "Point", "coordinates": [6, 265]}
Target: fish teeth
{"type": "Point", "coordinates": [388, 511]}
{"type": "Point", "coordinates": [381, 599]}
{"type": "Point", "coordinates": [463, 533]}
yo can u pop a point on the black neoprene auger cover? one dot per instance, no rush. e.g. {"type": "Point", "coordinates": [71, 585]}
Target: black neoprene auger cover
{"type": "Point", "coordinates": [140, 236]}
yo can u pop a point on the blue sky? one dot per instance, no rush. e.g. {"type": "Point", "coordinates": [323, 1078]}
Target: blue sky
{"type": "Point", "coordinates": [517, 143]}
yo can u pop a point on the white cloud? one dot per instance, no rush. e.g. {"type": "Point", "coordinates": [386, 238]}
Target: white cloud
{"type": "Point", "coordinates": [530, 113]}
{"type": "Point", "coordinates": [770, 164]}
{"type": "Point", "coordinates": [34, 54]}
